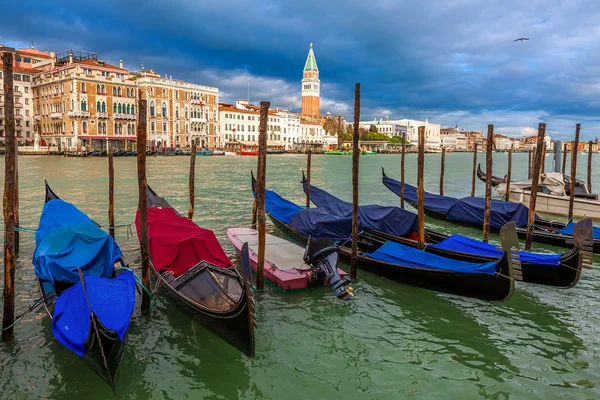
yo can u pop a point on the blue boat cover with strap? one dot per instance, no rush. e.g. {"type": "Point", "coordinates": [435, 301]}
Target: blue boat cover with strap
{"type": "Point", "coordinates": [568, 230]}
{"type": "Point", "coordinates": [67, 239]}
{"type": "Point", "coordinates": [112, 300]}
{"type": "Point", "coordinates": [473, 246]}
{"type": "Point", "coordinates": [388, 219]}
{"type": "Point", "coordinates": [318, 224]}
{"type": "Point", "coordinates": [281, 209]}
{"type": "Point", "coordinates": [467, 209]}
{"type": "Point", "coordinates": [396, 253]}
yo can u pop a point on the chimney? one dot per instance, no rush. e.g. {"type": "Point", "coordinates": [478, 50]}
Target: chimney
{"type": "Point", "coordinates": [70, 58]}
{"type": "Point", "coordinates": [53, 59]}
{"type": "Point", "coordinates": [121, 64]}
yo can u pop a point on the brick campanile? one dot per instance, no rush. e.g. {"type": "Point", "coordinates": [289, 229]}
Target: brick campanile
{"type": "Point", "coordinates": [311, 86]}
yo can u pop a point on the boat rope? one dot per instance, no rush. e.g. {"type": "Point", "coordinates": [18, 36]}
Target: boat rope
{"type": "Point", "coordinates": [137, 278]}
{"type": "Point", "coordinates": [212, 215]}
{"type": "Point", "coordinates": [32, 307]}
{"type": "Point", "coordinates": [128, 226]}
{"type": "Point", "coordinates": [24, 229]}
{"type": "Point", "coordinates": [155, 291]}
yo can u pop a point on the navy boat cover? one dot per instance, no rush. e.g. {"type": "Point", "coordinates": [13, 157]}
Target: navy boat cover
{"type": "Point", "coordinates": [67, 239]}
{"type": "Point", "coordinates": [112, 300]}
{"type": "Point", "coordinates": [388, 219]}
{"type": "Point", "coordinates": [319, 224]}
{"type": "Point", "coordinates": [473, 246]}
{"type": "Point", "coordinates": [467, 209]}
{"type": "Point", "coordinates": [568, 230]}
{"type": "Point", "coordinates": [396, 253]}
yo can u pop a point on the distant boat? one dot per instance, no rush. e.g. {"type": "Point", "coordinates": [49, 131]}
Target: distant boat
{"type": "Point", "coordinates": [218, 153]}
{"type": "Point", "coordinates": [204, 152]}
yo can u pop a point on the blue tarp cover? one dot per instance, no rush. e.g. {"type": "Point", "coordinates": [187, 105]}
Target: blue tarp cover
{"type": "Point", "coordinates": [319, 224]}
{"type": "Point", "coordinates": [281, 209]}
{"type": "Point", "coordinates": [396, 253]}
{"type": "Point", "coordinates": [112, 300]}
{"type": "Point", "coordinates": [67, 239]}
{"type": "Point", "coordinates": [389, 219]}
{"type": "Point", "coordinates": [466, 209]}
{"type": "Point", "coordinates": [473, 246]}
{"type": "Point", "coordinates": [568, 230]}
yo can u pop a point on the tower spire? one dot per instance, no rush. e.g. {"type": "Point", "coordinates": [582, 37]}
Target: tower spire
{"type": "Point", "coordinates": [311, 86]}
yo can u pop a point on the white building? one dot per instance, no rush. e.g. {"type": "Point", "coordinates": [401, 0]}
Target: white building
{"type": "Point", "coordinates": [410, 127]}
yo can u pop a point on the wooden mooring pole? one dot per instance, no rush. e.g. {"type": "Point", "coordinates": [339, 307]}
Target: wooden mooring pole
{"type": "Point", "coordinates": [355, 159]}
{"type": "Point", "coordinates": [535, 184]}
{"type": "Point", "coordinates": [192, 182]}
{"type": "Point", "coordinates": [442, 162]}
{"type": "Point", "coordinates": [402, 169]}
{"type": "Point", "coordinates": [308, 159]}
{"type": "Point", "coordinates": [111, 192]}
{"type": "Point", "coordinates": [143, 201]}
{"type": "Point", "coordinates": [529, 157]}
{"type": "Point", "coordinates": [589, 181]}
{"type": "Point", "coordinates": [9, 199]}
{"type": "Point", "coordinates": [474, 170]}
{"type": "Point", "coordinates": [420, 189]}
{"type": "Point", "coordinates": [573, 170]}
{"type": "Point", "coordinates": [261, 192]}
{"type": "Point", "coordinates": [564, 160]}
{"type": "Point", "coordinates": [543, 158]}
{"type": "Point", "coordinates": [487, 210]}
{"type": "Point", "coordinates": [509, 174]}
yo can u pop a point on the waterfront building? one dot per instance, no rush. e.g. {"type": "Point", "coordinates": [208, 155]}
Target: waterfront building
{"type": "Point", "coordinates": [25, 67]}
{"type": "Point", "coordinates": [311, 86]}
{"type": "Point", "coordinates": [178, 111]}
{"type": "Point", "coordinates": [384, 126]}
{"type": "Point", "coordinates": [82, 101]}
{"type": "Point", "coordinates": [239, 125]}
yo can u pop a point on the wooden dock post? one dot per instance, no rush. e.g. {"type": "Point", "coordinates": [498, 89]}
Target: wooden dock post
{"type": "Point", "coordinates": [564, 160]}
{"type": "Point", "coordinates": [355, 159]}
{"type": "Point", "coordinates": [487, 210]}
{"type": "Point", "coordinates": [442, 171]}
{"type": "Point", "coordinates": [260, 193]}
{"type": "Point", "coordinates": [509, 174]}
{"type": "Point", "coordinates": [9, 198]}
{"type": "Point", "coordinates": [529, 157]}
{"type": "Point", "coordinates": [474, 170]}
{"type": "Point", "coordinates": [308, 159]}
{"type": "Point", "coordinates": [16, 201]}
{"type": "Point", "coordinates": [192, 182]}
{"type": "Point", "coordinates": [143, 201]}
{"type": "Point", "coordinates": [573, 170]}
{"type": "Point", "coordinates": [111, 192]}
{"type": "Point", "coordinates": [535, 184]}
{"type": "Point", "coordinates": [589, 181]}
{"type": "Point", "coordinates": [420, 189]}
{"type": "Point", "coordinates": [402, 170]}
{"type": "Point", "coordinates": [544, 158]}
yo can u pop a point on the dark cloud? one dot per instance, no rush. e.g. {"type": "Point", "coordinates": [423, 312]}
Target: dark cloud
{"type": "Point", "coordinates": [452, 62]}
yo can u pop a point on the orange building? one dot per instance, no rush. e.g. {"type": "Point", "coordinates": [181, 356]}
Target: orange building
{"type": "Point", "coordinates": [311, 86]}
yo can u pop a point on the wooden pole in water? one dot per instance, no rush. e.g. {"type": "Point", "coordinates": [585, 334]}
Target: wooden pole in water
{"type": "Point", "coordinates": [111, 192]}
{"type": "Point", "coordinates": [529, 157]}
{"type": "Point", "coordinates": [590, 166]}
{"type": "Point", "coordinates": [564, 160]}
{"type": "Point", "coordinates": [308, 158]}
{"type": "Point", "coordinates": [402, 170]}
{"type": "Point", "coordinates": [10, 183]}
{"type": "Point", "coordinates": [487, 210]}
{"type": "Point", "coordinates": [16, 200]}
{"type": "Point", "coordinates": [442, 171]}
{"type": "Point", "coordinates": [509, 174]}
{"type": "Point", "coordinates": [543, 158]}
{"type": "Point", "coordinates": [535, 184]}
{"type": "Point", "coordinates": [573, 170]}
{"type": "Point", "coordinates": [474, 170]}
{"type": "Point", "coordinates": [192, 182]}
{"type": "Point", "coordinates": [420, 189]}
{"type": "Point", "coordinates": [355, 159]}
{"type": "Point", "coordinates": [260, 193]}
{"type": "Point", "coordinates": [143, 201]}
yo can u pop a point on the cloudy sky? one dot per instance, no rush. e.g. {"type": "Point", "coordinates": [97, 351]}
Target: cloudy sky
{"type": "Point", "coordinates": [451, 61]}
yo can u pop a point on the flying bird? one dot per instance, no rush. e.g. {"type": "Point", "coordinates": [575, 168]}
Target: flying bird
{"type": "Point", "coordinates": [521, 39]}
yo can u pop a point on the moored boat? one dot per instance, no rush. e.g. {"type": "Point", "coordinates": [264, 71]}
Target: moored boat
{"type": "Point", "coordinates": [204, 152]}
{"type": "Point", "coordinates": [89, 302]}
{"type": "Point", "coordinates": [285, 265]}
{"type": "Point", "coordinates": [190, 264]}
{"type": "Point", "coordinates": [218, 153]}
{"type": "Point", "coordinates": [495, 180]}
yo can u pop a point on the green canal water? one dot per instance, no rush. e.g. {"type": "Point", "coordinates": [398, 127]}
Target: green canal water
{"type": "Point", "coordinates": [390, 341]}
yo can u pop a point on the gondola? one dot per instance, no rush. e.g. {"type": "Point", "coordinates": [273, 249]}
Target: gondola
{"type": "Point", "coordinates": [495, 180]}
{"type": "Point", "coordinates": [468, 211]}
{"type": "Point", "coordinates": [190, 264]}
{"type": "Point", "coordinates": [75, 264]}
{"type": "Point", "coordinates": [561, 270]}
{"type": "Point", "coordinates": [492, 281]}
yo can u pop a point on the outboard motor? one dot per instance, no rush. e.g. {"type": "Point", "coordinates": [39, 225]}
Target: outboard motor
{"type": "Point", "coordinates": [322, 256]}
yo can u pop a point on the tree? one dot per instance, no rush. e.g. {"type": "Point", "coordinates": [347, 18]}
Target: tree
{"type": "Point", "coordinates": [372, 128]}
{"type": "Point", "coordinates": [331, 126]}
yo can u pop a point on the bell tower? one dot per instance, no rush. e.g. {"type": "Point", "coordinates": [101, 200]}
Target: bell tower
{"type": "Point", "coordinates": [311, 86]}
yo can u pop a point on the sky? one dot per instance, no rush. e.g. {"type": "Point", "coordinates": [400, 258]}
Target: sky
{"type": "Point", "coordinates": [453, 62]}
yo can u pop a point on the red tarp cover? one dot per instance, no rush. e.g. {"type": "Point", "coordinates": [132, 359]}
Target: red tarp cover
{"type": "Point", "coordinates": [177, 244]}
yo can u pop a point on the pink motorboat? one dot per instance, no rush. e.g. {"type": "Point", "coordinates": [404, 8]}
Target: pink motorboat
{"type": "Point", "coordinates": [284, 261]}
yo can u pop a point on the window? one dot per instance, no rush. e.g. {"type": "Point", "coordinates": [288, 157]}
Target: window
{"type": "Point", "coordinates": [84, 127]}
{"type": "Point", "coordinates": [119, 108]}
{"type": "Point", "coordinates": [164, 92]}
{"type": "Point", "coordinates": [128, 109]}
{"type": "Point", "coordinates": [27, 114]}
{"type": "Point", "coordinates": [98, 107]}
{"type": "Point", "coordinates": [114, 91]}
{"type": "Point", "coordinates": [151, 91]}
{"type": "Point", "coordinates": [133, 109]}
{"type": "Point", "coordinates": [26, 101]}
{"type": "Point", "coordinates": [82, 87]}
{"type": "Point", "coordinates": [164, 126]}
{"type": "Point", "coordinates": [152, 109]}
{"type": "Point", "coordinates": [17, 77]}
{"type": "Point", "coordinates": [83, 106]}
{"type": "Point", "coordinates": [186, 110]}
{"type": "Point", "coordinates": [152, 126]}
{"type": "Point", "coordinates": [103, 89]}
{"type": "Point", "coordinates": [114, 107]}
{"type": "Point", "coordinates": [164, 109]}
{"type": "Point", "coordinates": [26, 78]}
{"type": "Point", "coordinates": [177, 113]}
{"type": "Point", "coordinates": [103, 107]}
{"type": "Point", "coordinates": [120, 91]}
{"type": "Point", "coordinates": [98, 90]}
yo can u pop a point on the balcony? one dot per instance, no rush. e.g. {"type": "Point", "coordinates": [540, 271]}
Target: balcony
{"type": "Point", "coordinates": [125, 116]}
{"type": "Point", "coordinates": [18, 104]}
{"type": "Point", "coordinates": [102, 114]}
{"type": "Point", "coordinates": [18, 116]}
{"type": "Point", "coordinates": [201, 120]}
{"type": "Point", "coordinates": [17, 93]}
{"type": "Point", "coordinates": [78, 113]}
{"type": "Point", "coordinates": [37, 117]}
{"type": "Point", "coordinates": [56, 115]}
